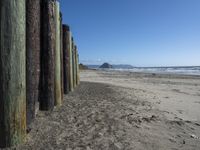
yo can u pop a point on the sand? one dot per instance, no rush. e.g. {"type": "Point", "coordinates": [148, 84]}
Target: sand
{"type": "Point", "coordinates": [123, 111]}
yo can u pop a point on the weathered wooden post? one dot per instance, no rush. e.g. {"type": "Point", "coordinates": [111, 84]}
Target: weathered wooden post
{"type": "Point", "coordinates": [74, 64]}
{"type": "Point", "coordinates": [58, 100]}
{"type": "Point", "coordinates": [70, 61]}
{"type": "Point", "coordinates": [66, 48]}
{"type": "Point", "coordinates": [67, 54]}
{"type": "Point", "coordinates": [47, 94]}
{"type": "Point", "coordinates": [75, 61]}
{"type": "Point", "coordinates": [61, 57]}
{"type": "Point", "coordinates": [12, 72]}
{"type": "Point", "coordinates": [78, 69]}
{"type": "Point", "coordinates": [32, 56]}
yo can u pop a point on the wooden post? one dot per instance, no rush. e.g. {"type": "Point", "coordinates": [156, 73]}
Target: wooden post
{"type": "Point", "coordinates": [74, 65]}
{"type": "Point", "coordinates": [12, 72]}
{"type": "Point", "coordinates": [67, 54]}
{"type": "Point", "coordinates": [58, 100]}
{"type": "Point", "coordinates": [61, 57]}
{"type": "Point", "coordinates": [47, 96]}
{"type": "Point", "coordinates": [66, 48]}
{"type": "Point", "coordinates": [78, 69]}
{"type": "Point", "coordinates": [75, 61]}
{"type": "Point", "coordinates": [71, 73]}
{"type": "Point", "coordinates": [32, 56]}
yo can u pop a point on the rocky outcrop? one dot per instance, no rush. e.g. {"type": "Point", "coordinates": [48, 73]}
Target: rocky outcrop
{"type": "Point", "coordinates": [106, 65]}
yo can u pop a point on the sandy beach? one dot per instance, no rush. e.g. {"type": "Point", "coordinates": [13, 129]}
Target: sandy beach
{"type": "Point", "coordinates": [123, 111]}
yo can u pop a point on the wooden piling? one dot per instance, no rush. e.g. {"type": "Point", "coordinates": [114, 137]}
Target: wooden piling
{"type": "Point", "coordinates": [74, 64]}
{"type": "Point", "coordinates": [70, 61]}
{"type": "Point", "coordinates": [61, 57]}
{"type": "Point", "coordinates": [58, 101]}
{"type": "Point", "coordinates": [67, 54]}
{"type": "Point", "coordinates": [47, 94]}
{"type": "Point", "coordinates": [78, 69]}
{"type": "Point", "coordinates": [32, 56]}
{"type": "Point", "coordinates": [12, 72]}
{"type": "Point", "coordinates": [77, 66]}
{"type": "Point", "coordinates": [66, 47]}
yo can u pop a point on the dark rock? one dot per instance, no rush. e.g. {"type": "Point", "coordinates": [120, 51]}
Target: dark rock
{"type": "Point", "coordinates": [106, 65]}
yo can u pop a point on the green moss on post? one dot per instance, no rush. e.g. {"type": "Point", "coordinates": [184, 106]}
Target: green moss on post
{"type": "Point", "coordinates": [12, 72]}
{"type": "Point", "coordinates": [58, 100]}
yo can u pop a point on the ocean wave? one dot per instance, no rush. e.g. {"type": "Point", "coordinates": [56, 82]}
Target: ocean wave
{"type": "Point", "coordinates": [194, 70]}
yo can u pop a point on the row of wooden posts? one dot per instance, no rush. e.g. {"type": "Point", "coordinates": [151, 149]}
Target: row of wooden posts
{"type": "Point", "coordinates": [38, 64]}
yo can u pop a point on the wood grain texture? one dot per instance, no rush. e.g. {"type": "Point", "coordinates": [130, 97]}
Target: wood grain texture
{"type": "Point", "coordinates": [12, 72]}
{"type": "Point", "coordinates": [73, 64]}
{"type": "Point", "coordinates": [67, 54]}
{"type": "Point", "coordinates": [32, 56]}
{"type": "Point", "coordinates": [77, 66]}
{"type": "Point", "coordinates": [47, 86]}
{"type": "Point", "coordinates": [78, 69]}
{"type": "Point", "coordinates": [58, 101]}
{"type": "Point", "coordinates": [70, 61]}
{"type": "Point", "coordinates": [61, 57]}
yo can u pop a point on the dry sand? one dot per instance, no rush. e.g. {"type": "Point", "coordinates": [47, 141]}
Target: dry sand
{"type": "Point", "coordinates": [123, 111]}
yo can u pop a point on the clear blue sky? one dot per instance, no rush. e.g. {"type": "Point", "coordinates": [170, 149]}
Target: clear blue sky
{"type": "Point", "coordinates": [137, 32]}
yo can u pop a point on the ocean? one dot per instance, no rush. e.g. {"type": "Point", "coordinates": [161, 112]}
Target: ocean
{"type": "Point", "coordinates": [192, 70]}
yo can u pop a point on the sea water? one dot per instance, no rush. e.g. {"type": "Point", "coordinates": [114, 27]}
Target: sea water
{"type": "Point", "coordinates": [192, 70]}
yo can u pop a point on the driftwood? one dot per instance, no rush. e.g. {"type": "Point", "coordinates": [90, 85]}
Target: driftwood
{"type": "Point", "coordinates": [47, 96]}
{"type": "Point", "coordinates": [12, 72]}
{"type": "Point", "coordinates": [32, 56]}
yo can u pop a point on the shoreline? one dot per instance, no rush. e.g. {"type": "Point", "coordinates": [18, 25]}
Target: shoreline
{"type": "Point", "coordinates": [167, 74]}
{"type": "Point", "coordinates": [148, 72]}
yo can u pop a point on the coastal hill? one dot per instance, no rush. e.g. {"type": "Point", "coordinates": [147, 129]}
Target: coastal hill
{"type": "Point", "coordinates": [119, 66]}
{"type": "Point", "coordinates": [106, 65]}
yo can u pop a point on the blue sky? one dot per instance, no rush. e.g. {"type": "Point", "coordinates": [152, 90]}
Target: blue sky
{"type": "Point", "coordinates": [136, 32]}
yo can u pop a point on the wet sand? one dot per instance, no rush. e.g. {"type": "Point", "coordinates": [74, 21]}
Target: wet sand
{"type": "Point", "coordinates": [123, 111]}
